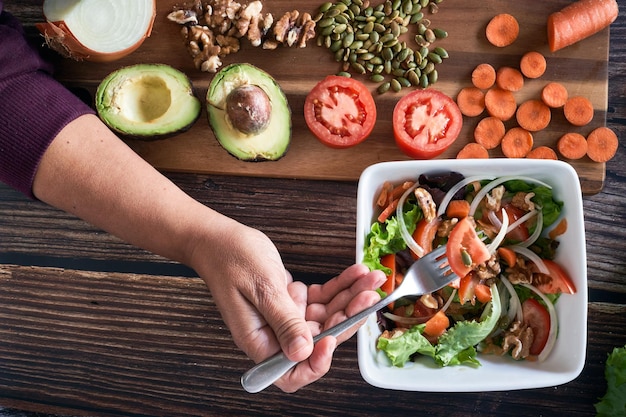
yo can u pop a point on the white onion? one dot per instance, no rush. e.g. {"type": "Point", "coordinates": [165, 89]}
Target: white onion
{"type": "Point", "coordinates": [488, 187]}
{"type": "Point", "coordinates": [96, 30]}
{"type": "Point", "coordinates": [409, 321]}
{"type": "Point", "coordinates": [515, 305]}
{"type": "Point", "coordinates": [536, 233]}
{"type": "Point", "coordinates": [450, 194]}
{"type": "Point", "coordinates": [410, 242]}
{"type": "Point", "coordinates": [532, 256]}
{"type": "Point", "coordinates": [553, 323]}
{"type": "Point", "coordinates": [493, 246]}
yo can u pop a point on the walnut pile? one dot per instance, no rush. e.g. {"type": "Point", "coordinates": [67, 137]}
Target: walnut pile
{"type": "Point", "coordinates": [214, 29]}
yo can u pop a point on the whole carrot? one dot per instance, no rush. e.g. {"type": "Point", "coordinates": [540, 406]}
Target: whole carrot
{"type": "Point", "coordinates": [578, 21]}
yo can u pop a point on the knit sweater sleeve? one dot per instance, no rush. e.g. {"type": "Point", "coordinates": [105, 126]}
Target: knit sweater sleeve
{"type": "Point", "coordinates": [34, 107]}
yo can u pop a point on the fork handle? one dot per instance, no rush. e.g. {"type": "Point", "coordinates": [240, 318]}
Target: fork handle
{"type": "Point", "coordinates": [267, 372]}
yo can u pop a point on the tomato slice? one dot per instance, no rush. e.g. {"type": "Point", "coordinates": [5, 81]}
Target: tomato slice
{"type": "Point", "coordinates": [389, 261]}
{"type": "Point", "coordinates": [340, 111]}
{"type": "Point", "coordinates": [464, 249]}
{"type": "Point", "coordinates": [558, 281]}
{"type": "Point", "coordinates": [425, 123]}
{"type": "Point", "coordinates": [520, 233]}
{"type": "Point", "coordinates": [536, 316]}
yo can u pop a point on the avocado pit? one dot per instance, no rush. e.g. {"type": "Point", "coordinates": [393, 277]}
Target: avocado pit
{"type": "Point", "coordinates": [249, 109]}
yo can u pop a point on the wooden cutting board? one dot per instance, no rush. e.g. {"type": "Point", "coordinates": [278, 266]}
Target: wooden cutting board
{"type": "Point", "coordinates": [582, 68]}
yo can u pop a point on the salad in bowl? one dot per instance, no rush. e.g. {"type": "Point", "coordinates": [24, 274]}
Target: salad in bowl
{"type": "Point", "coordinates": [514, 235]}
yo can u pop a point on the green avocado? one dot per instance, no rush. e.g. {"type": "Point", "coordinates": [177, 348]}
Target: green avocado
{"type": "Point", "coordinates": [147, 101]}
{"type": "Point", "coordinates": [249, 113]}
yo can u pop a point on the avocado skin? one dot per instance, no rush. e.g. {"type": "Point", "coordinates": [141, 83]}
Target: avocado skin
{"type": "Point", "coordinates": [272, 143]}
{"type": "Point", "coordinates": [142, 82]}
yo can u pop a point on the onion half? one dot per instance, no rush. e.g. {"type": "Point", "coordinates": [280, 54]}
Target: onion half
{"type": "Point", "coordinates": [96, 30]}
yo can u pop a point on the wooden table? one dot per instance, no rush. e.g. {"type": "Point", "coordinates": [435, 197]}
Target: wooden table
{"type": "Point", "coordinates": [92, 326]}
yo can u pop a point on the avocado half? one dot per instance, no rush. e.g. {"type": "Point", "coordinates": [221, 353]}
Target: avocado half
{"type": "Point", "coordinates": [147, 101]}
{"type": "Point", "coordinates": [249, 113]}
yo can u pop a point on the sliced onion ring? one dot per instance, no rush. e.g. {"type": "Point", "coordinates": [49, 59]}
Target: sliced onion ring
{"type": "Point", "coordinates": [96, 30]}
{"type": "Point", "coordinates": [493, 184]}
{"type": "Point", "coordinates": [532, 256]}
{"type": "Point", "coordinates": [410, 242]}
{"type": "Point", "coordinates": [493, 246]}
{"type": "Point", "coordinates": [515, 309]}
{"type": "Point", "coordinates": [409, 321]}
{"type": "Point", "coordinates": [450, 194]}
{"type": "Point", "coordinates": [536, 233]}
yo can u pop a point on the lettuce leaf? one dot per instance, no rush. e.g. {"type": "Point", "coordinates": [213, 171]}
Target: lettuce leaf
{"type": "Point", "coordinates": [456, 346]}
{"type": "Point", "coordinates": [385, 238]}
{"type": "Point", "coordinates": [400, 349]}
{"type": "Point", "coordinates": [613, 403]}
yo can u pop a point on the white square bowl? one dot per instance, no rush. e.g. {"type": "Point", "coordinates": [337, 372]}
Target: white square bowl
{"type": "Point", "coordinates": [497, 373]}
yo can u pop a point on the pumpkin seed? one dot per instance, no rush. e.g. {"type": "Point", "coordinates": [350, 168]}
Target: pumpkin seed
{"type": "Point", "coordinates": [404, 82]}
{"type": "Point", "coordinates": [441, 52]}
{"type": "Point", "coordinates": [424, 81]}
{"type": "Point", "coordinates": [344, 74]}
{"type": "Point", "coordinates": [377, 78]}
{"type": "Point", "coordinates": [325, 22]}
{"type": "Point", "coordinates": [466, 257]}
{"type": "Point", "coordinates": [349, 39]}
{"type": "Point", "coordinates": [440, 33]}
{"type": "Point", "coordinates": [434, 58]}
{"type": "Point", "coordinates": [433, 77]}
{"type": "Point", "coordinates": [384, 87]}
{"type": "Point", "coordinates": [395, 85]}
{"type": "Point", "coordinates": [325, 6]}
{"type": "Point", "coordinates": [429, 35]}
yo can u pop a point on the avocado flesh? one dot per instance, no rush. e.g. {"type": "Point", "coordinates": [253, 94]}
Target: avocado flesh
{"type": "Point", "coordinates": [147, 101]}
{"type": "Point", "coordinates": [271, 143]}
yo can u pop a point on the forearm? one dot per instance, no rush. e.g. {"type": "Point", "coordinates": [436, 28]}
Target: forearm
{"type": "Point", "coordinates": [91, 173]}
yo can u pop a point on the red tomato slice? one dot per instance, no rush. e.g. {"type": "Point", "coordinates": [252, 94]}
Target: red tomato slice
{"type": "Point", "coordinates": [464, 241]}
{"type": "Point", "coordinates": [520, 233]}
{"type": "Point", "coordinates": [558, 281]}
{"type": "Point", "coordinates": [340, 111]}
{"type": "Point", "coordinates": [389, 261]}
{"type": "Point", "coordinates": [536, 316]}
{"type": "Point", "coordinates": [425, 123]}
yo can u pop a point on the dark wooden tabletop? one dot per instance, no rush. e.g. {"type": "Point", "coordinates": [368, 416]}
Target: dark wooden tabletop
{"type": "Point", "coordinates": [92, 326]}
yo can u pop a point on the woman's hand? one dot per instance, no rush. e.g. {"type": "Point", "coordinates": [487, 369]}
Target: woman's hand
{"type": "Point", "coordinates": [266, 311]}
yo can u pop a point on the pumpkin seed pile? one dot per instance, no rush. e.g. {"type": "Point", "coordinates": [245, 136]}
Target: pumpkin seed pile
{"type": "Point", "coordinates": [366, 40]}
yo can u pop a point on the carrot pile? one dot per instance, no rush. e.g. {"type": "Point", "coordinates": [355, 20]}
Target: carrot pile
{"type": "Point", "coordinates": [510, 125]}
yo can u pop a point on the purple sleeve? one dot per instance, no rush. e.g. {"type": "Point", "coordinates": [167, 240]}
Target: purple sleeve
{"type": "Point", "coordinates": [34, 107]}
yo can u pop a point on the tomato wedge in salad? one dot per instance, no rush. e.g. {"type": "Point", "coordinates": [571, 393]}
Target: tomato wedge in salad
{"type": "Point", "coordinates": [536, 316]}
{"type": "Point", "coordinates": [558, 281]}
{"type": "Point", "coordinates": [340, 111]}
{"type": "Point", "coordinates": [425, 123]}
{"type": "Point", "coordinates": [465, 250]}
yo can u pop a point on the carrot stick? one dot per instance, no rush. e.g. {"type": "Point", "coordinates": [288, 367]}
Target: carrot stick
{"type": "Point", "coordinates": [533, 115]}
{"type": "Point", "coordinates": [502, 30]}
{"type": "Point", "coordinates": [554, 94]}
{"type": "Point", "coordinates": [489, 132]}
{"type": "Point", "coordinates": [384, 215]}
{"type": "Point", "coordinates": [542, 152]}
{"type": "Point", "coordinates": [602, 144]}
{"type": "Point", "coordinates": [578, 21]}
{"type": "Point", "coordinates": [500, 103]}
{"type": "Point", "coordinates": [473, 150]}
{"type": "Point", "coordinates": [516, 143]}
{"type": "Point", "coordinates": [484, 76]}
{"type": "Point", "coordinates": [458, 209]}
{"type": "Point", "coordinates": [383, 197]}
{"type": "Point", "coordinates": [508, 78]}
{"type": "Point", "coordinates": [471, 101]}
{"type": "Point", "coordinates": [578, 110]}
{"type": "Point", "coordinates": [572, 145]}
{"type": "Point", "coordinates": [483, 293]}
{"type": "Point", "coordinates": [533, 64]}
{"type": "Point", "coordinates": [397, 192]}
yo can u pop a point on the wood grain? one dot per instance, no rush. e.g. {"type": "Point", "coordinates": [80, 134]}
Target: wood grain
{"type": "Point", "coordinates": [582, 68]}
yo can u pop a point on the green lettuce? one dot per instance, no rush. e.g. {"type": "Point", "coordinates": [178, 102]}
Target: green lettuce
{"type": "Point", "coordinates": [385, 238]}
{"type": "Point", "coordinates": [613, 403]}
{"type": "Point", "coordinates": [454, 347]}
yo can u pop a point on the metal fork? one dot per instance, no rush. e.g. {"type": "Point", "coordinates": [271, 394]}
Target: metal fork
{"type": "Point", "coordinates": [426, 275]}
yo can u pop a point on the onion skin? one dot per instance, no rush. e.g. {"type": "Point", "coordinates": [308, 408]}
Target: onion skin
{"type": "Point", "coordinates": [61, 39]}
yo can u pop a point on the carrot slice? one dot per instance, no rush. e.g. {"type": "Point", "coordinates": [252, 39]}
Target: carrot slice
{"type": "Point", "coordinates": [473, 150]}
{"type": "Point", "coordinates": [483, 293]}
{"type": "Point", "coordinates": [578, 110]}
{"type": "Point", "coordinates": [489, 132]}
{"type": "Point", "coordinates": [516, 143]}
{"type": "Point", "coordinates": [500, 103]}
{"type": "Point", "coordinates": [508, 78]}
{"type": "Point", "coordinates": [542, 152]}
{"type": "Point", "coordinates": [383, 196]}
{"type": "Point", "coordinates": [471, 101]}
{"type": "Point", "coordinates": [437, 324]}
{"type": "Point", "coordinates": [502, 30]}
{"type": "Point", "coordinates": [533, 115]}
{"type": "Point", "coordinates": [533, 64]}
{"type": "Point", "coordinates": [484, 76]}
{"type": "Point", "coordinates": [572, 145]}
{"type": "Point", "coordinates": [391, 208]}
{"type": "Point", "coordinates": [554, 94]}
{"type": "Point", "coordinates": [458, 209]}
{"type": "Point", "coordinates": [559, 229]}
{"type": "Point", "coordinates": [602, 144]}
{"type": "Point", "coordinates": [508, 255]}
{"type": "Point", "coordinates": [578, 21]}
